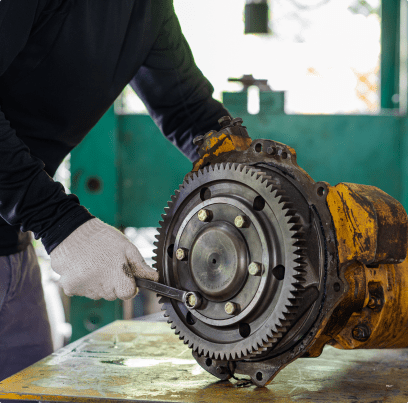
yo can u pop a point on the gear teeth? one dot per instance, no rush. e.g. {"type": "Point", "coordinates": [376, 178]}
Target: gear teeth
{"type": "Point", "coordinates": [284, 199]}
{"type": "Point", "coordinates": [300, 243]}
{"type": "Point", "coordinates": [300, 278]}
{"type": "Point", "coordinates": [260, 344]}
{"type": "Point", "coordinates": [288, 206]}
{"type": "Point", "coordinates": [295, 227]}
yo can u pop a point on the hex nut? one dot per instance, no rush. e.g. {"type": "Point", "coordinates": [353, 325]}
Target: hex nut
{"type": "Point", "coordinates": [255, 269]}
{"type": "Point", "coordinates": [181, 254]}
{"type": "Point", "coordinates": [230, 308]}
{"type": "Point", "coordinates": [361, 332]}
{"type": "Point", "coordinates": [204, 215]}
{"type": "Point", "coordinates": [240, 221]}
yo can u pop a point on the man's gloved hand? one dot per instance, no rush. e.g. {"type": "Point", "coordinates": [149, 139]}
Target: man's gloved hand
{"type": "Point", "coordinates": [98, 261]}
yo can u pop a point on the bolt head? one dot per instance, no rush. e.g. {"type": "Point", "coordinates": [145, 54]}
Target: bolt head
{"type": "Point", "coordinates": [192, 300]}
{"type": "Point", "coordinates": [271, 150]}
{"type": "Point", "coordinates": [239, 221]}
{"type": "Point", "coordinates": [204, 215]}
{"type": "Point", "coordinates": [221, 370]}
{"type": "Point", "coordinates": [181, 254]}
{"type": "Point", "coordinates": [255, 269]}
{"type": "Point", "coordinates": [230, 308]}
{"type": "Point", "coordinates": [361, 333]}
{"type": "Point", "coordinates": [197, 141]}
{"type": "Point", "coordinates": [237, 121]}
{"type": "Point", "coordinates": [224, 121]}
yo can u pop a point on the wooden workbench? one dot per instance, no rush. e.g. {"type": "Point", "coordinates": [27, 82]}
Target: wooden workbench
{"type": "Point", "coordinates": [145, 362]}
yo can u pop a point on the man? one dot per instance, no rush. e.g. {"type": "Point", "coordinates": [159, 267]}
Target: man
{"type": "Point", "coordinates": [62, 64]}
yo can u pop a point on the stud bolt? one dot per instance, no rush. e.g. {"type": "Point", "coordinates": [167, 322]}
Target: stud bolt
{"type": "Point", "coordinates": [181, 254]}
{"type": "Point", "coordinates": [241, 221]}
{"type": "Point", "coordinates": [231, 308]}
{"type": "Point", "coordinates": [255, 269]}
{"type": "Point", "coordinates": [204, 215]}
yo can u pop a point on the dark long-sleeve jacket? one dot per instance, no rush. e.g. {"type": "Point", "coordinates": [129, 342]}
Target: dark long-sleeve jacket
{"type": "Point", "coordinates": [62, 64]}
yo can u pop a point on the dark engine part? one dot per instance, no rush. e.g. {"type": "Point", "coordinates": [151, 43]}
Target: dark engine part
{"type": "Point", "coordinates": [265, 248]}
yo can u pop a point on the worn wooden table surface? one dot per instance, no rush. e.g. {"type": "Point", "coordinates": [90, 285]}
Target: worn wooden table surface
{"type": "Point", "coordinates": [145, 362]}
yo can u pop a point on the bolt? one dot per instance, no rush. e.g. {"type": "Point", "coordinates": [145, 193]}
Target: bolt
{"type": "Point", "coordinates": [193, 300]}
{"type": "Point", "coordinates": [237, 121]}
{"type": "Point", "coordinates": [198, 140]}
{"type": "Point", "coordinates": [230, 308]}
{"type": "Point", "coordinates": [240, 221]}
{"type": "Point", "coordinates": [204, 215]}
{"type": "Point", "coordinates": [181, 254]}
{"type": "Point", "coordinates": [221, 370]}
{"type": "Point", "coordinates": [361, 332]}
{"type": "Point", "coordinates": [224, 121]}
{"type": "Point", "coordinates": [271, 150]}
{"type": "Point", "coordinates": [255, 269]}
{"type": "Point", "coordinates": [374, 302]}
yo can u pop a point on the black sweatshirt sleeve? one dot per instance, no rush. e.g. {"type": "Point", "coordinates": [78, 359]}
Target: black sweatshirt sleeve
{"type": "Point", "coordinates": [175, 92]}
{"type": "Point", "coordinates": [28, 195]}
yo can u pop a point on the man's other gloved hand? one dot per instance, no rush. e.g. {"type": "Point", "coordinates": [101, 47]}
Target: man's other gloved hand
{"type": "Point", "coordinates": [98, 261]}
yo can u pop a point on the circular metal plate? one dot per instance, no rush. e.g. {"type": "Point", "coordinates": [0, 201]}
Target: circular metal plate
{"type": "Point", "coordinates": [219, 261]}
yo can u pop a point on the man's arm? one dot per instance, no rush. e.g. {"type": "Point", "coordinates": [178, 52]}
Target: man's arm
{"type": "Point", "coordinates": [28, 196]}
{"type": "Point", "coordinates": [174, 90]}
{"type": "Point", "coordinates": [94, 259]}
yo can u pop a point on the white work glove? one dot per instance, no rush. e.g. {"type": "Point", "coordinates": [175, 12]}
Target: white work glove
{"type": "Point", "coordinates": [98, 261]}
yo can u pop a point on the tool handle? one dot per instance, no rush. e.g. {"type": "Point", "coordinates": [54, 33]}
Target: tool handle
{"type": "Point", "coordinates": [161, 289]}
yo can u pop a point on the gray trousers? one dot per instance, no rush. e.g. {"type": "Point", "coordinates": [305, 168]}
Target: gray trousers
{"type": "Point", "coordinates": [25, 335]}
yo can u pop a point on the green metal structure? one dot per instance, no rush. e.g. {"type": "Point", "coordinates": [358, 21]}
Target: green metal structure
{"type": "Point", "coordinates": [125, 170]}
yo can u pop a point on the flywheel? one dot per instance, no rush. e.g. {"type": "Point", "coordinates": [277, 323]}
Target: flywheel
{"type": "Point", "coordinates": [232, 234]}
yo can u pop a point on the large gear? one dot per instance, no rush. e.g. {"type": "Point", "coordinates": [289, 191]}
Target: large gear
{"type": "Point", "coordinates": [271, 235]}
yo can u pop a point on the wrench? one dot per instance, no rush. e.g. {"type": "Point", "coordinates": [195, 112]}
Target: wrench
{"type": "Point", "coordinates": [191, 299]}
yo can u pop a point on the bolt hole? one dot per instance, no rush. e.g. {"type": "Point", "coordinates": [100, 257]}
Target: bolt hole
{"type": "Point", "coordinates": [190, 319]}
{"type": "Point", "coordinates": [321, 191]}
{"type": "Point", "coordinates": [258, 147]}
{"type": "Point", "coordinates": [259, 203]}
{"type": "Point", "coordinates": [170, 251]}
{"type": "Point", "coordinates": [93, 184]}
{"type": "Point", "coordinates": [336, 287]}
{"type": "Point", "coordinates": [205, 194]}
{"type": "Point", "coordinates": [244, 330]}
{"type": "Point", "coordinates": [284, 155]}
{"type": "Point", "coordinates": [259, 376]}
{"type": "Point", "coordinates": [208, 362]}
{"type": "Point", "coordinates": [279, 272]}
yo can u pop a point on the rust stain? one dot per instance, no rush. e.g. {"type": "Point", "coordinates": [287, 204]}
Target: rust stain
{"type": "Point", "coordinates": [354, 220]}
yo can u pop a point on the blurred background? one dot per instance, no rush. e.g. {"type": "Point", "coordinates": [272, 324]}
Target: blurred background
{"type": "Point", "coordinates": [336, 92]}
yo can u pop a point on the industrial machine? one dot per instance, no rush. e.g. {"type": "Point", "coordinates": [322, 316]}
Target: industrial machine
{"type": "Point", "coordinates": [261, 265]}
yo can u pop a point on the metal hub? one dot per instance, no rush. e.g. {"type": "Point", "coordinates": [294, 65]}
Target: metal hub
{"type": "Point", "coordinates": [219, 261]}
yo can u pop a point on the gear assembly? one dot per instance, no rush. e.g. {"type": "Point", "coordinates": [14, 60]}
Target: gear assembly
{"type": "Point", "coordinates": [267, 266]}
